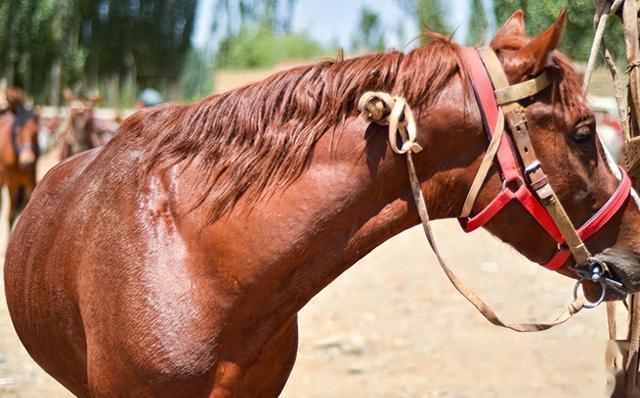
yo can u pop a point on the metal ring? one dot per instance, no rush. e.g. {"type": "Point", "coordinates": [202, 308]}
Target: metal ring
{"type": "Point", "coordinates": [587, 303]}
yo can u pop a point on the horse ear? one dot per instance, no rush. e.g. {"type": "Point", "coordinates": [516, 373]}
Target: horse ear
{"type": "Point", "coordinates": [536, 55]}
{"type": "Point", "coordinates": [514, 25]}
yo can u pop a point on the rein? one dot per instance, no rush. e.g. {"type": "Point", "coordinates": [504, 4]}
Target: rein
{"type": "Point", "coordinates": [498, 102]}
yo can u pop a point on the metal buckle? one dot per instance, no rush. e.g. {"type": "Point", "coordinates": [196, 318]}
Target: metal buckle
{"type": "Point", "coordinates": [595, 272]}
{"type": "Point", "coordinates": [532, 168]}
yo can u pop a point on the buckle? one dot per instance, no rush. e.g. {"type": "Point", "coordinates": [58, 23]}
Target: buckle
{"type": "Point", "coordinates": [532, 168]}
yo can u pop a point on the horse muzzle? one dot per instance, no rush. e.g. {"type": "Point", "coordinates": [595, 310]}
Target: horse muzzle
{"type": "Point", "coordinates": [26, 159]}
{"type": "Point", "coordinates": [622, 274]}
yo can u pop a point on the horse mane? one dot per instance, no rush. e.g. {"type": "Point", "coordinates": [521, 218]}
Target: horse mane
{"type": "Point", "coordinates": [261, 136]}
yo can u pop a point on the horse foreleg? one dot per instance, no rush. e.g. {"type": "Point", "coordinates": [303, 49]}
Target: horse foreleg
{"type": "Point", "coordinates": [266, 376]}
{"type": "Point", "coordinates": [29, 185]}
{"type": "Point", "coordinates": [14, 194]}
{"type": "Point", "coordinates": [227, 379]}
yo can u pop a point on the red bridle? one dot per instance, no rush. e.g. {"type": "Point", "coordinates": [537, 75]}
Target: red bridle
{"type": "Point", "coordinates": [514, 177]}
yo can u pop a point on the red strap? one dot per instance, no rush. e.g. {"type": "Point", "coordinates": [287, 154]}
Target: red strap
{"type": "Point", "coordinates": [558, 259]}
{"type": "Point", "coordinates": [597, 221]}
{"type": "Point", "coordinates": [606, 212]}
{"type": "Point", "coordinates": [483, 89]}
{"type": "Point", "coordinates": [509, 166]}
{"type": "Point", "coordinates": [528, 201]}
{"type": "Point", "coordinates": [486, 214]}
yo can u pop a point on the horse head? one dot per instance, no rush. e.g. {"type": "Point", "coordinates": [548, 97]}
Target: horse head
{"type": "Point", "coordinates": [563, 143]}
{"type": "Point", "coordinates": [81, 110]}
{"type": "Point", "coordinates": [25, 138]}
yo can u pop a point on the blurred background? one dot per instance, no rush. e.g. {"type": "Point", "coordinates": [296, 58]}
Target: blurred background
{"type": "Point", "coordinates": [119, 47]}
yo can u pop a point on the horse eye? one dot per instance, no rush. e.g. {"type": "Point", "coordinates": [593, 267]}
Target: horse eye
{"type": "Point", "coordinates": [583, 134]}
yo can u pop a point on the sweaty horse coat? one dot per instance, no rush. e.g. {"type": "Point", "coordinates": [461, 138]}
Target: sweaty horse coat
{"type": "Point", "coordinates": [172, 262]}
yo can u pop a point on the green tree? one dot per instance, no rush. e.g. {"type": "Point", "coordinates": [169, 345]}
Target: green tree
{"type": "Point", "coordinates": [255, 35]}
{"type": "Point", "coordinates": [429, 14]}
{"type": "Point", "coordinates": [197, 75]}
{"type": "Point", "coordinates": [369, 34]}
{"type": "Point", "coordinates": [477, 24]}
{"type": "Point", "coordinates": [578, 32]}
{"type": "Point", "coordinates": [47, 44]}
{"type": "Point", "coordinates": [259, 48]}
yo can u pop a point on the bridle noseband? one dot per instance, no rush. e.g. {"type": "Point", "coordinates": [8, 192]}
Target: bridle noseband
{"type": "Point", "coordinates": [522, 174]}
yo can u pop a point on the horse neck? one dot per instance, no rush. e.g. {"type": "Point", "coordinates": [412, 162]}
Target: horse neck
{"type": "Point", "coordinates": [353, 196]}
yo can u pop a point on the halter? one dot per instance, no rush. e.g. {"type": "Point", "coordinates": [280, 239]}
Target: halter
{"type": "Point", "coordinates": [528, 185]}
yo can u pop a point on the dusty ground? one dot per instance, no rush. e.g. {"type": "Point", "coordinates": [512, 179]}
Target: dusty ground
{"type": "Point", "coordinates": [392, 326]}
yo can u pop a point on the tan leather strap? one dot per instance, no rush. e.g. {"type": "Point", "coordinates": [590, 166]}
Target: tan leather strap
{"type": "Point", "coordinates": [394, 112]}
{"type": "Point", "coordinates": [514, 114]}
{"type": "Point", "coordinates": [486, 164]}
{"type": "Point", "coordinates": [522, 90]}
{"type": "Point", "coordinates": [370, 101]}
{"type": "Point", "coordinates": [504, 92]}
{"type": "Point", "coordinates": [630, 20]}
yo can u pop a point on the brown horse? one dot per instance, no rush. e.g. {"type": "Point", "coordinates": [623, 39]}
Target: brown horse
{"type": "Point", "coordinates": [172, 262]}
{"type": "Point", "coordinates": [18, 152]}
{"type": "Point", "coordinates": [79, 132]}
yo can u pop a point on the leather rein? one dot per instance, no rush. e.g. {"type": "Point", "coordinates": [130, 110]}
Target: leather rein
{"type": "Point", "coordinates": [499, 102]}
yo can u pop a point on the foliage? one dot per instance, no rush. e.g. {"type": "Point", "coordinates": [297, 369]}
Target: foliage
{"type": "Point", "coordinates": [151, 36]}
{"type": "Point", "coordinates": [261, 48]}
{"type": "Point", "coordinates": [370, 33]}
{"type": "Point", "coordinates": [144, 39]}
{"type": "Point", "coordinates": [197, 75]}
{"type": "Point", "coordinates": [429, 14]}
{"type": "Point", "coordinates": [232, 16]}
{"type": "Point", "coordinates": [578, 32]}
{"type": "Point", "coordinates": [477, 24]}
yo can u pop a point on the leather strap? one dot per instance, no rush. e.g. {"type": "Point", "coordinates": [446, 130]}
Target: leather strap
{"type": "Point", "coordinates": [370, 101]}
{"type": "Point", "coordinates": [522, 90]}
{"type": "Point", "coordinates": [533, 171]}
{"type": "Point", "coordinates": [486, 164]}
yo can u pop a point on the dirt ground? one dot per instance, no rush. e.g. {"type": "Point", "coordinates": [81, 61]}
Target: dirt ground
{"type": "Point", "coordinates": [393, 327]}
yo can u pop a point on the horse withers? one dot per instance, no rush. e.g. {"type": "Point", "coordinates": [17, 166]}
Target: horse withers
{"type": "Point", "coordinates": [18, 150]}
{"type": "Point", "coordinates": [212, 224]}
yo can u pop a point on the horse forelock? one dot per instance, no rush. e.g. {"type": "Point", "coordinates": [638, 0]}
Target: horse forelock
{"type": "Point", "coordinates": [249, 140]}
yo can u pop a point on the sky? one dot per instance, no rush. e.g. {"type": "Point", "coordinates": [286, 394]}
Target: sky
{"type": "Point", "coordinates": [334, 21]}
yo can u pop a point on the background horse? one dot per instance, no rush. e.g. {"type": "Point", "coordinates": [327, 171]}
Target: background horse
{"type": "Point", "coordinates": [214, 223]}
{"type": "Point", "coordinates": [18, 152]}
{"type": "Point", "coordinates": [80, 131]}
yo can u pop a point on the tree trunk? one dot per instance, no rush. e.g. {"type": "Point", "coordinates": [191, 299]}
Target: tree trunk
{"type": "Point", "coordinates": [56, 83]}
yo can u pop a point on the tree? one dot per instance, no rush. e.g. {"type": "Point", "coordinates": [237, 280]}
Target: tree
{"type": "Point", "coordinates": [197, 75]}
{"type": "Point", "coordinates": [429, 14]}
{"type": "Point", "coordinates": [146, 38]}
{"type": "Point", "coordinates": [55, 43]}
{"type": "Point", "coordinates": [370, 34]}
{"type": "Point", "coordinates": [477, 24]}
{"type": "Point", "coordinates": [578, 32]}
{"type": "Point", "coordinates": [254, 35]}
